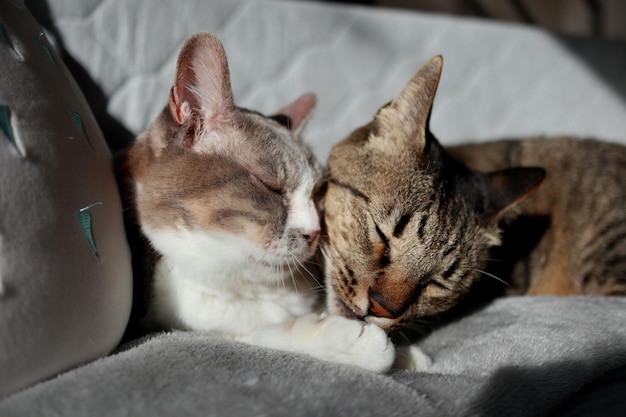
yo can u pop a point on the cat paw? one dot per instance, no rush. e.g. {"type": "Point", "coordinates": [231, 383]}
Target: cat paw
{"type": "Point", "coordinates": [412, 358]}
{"type": "Point", "coordinates": [342, 340]}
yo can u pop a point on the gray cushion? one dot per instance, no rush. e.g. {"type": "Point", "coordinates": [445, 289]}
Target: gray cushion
{"type": "Point", "coordinates": [65, 278]}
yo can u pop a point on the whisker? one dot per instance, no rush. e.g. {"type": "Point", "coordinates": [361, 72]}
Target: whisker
{"type": "Point", "coordinates": [311, 274]}
{"type": "Point", "coordinates": [325, 254]}
{"type": "Point", "coordinates": [420, 327]}
{"type": "Point", "coordinates": [318, 289]}
{"type": "Point", "coordinates": [281, 271]}
{"type": "Point", "coordinates": [492, 260]}
{"type": "Point", "coordinates": [403, 336]}
{"type": "Point", "coordinates": [494, 277]}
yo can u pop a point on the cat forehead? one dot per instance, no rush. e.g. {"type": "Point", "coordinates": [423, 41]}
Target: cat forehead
{"type": "Point", "coordinates": [383, 185]}
{"type": "Point", "coordinates": [271, 135]}
{"type": "Point", "coordinates": [276, 148]}
{"type": "Point", "coordinates": [367, 155]}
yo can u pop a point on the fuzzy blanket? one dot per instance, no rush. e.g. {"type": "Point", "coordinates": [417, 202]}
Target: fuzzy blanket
{"type": "Point", "coordinates": [518, 357]}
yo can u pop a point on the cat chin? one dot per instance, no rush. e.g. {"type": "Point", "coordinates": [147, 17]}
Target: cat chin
{"type": "Point", "coordinates": [281, 269]}
{"type": "Point", "coordinates": [382, 322]}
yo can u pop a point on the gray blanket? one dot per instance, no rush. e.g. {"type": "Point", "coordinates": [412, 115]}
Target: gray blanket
{"type": "Point", "coordinates": [518, 357]}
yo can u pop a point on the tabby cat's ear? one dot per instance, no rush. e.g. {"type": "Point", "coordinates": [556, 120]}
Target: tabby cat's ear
{"type": "Point", "coordinates": [408, 113]}
{"type": "Point", "coordinates": [201, 95]}
{"type": "Point", "coordinates": [511, 186]}
{"type": "Point", "coordinates": [298, 113]}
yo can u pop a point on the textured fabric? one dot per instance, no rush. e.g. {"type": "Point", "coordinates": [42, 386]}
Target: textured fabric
{"type": "Point", "coordinates": [65, 280]}
{"type": "Point", "coordinates": [519, 357]}
{"type": "Point", "coordinates": [498, 80]}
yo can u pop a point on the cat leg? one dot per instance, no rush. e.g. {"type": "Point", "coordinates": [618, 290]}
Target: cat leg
{"type": "Point", "coordinates": [330, 338]}
{"type": "Point", "coordinates": [412, 358]}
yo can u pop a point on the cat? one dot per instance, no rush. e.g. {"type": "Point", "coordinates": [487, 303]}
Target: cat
{"type": "Point", "coordinates": [413, 227]}
{"type": "Point", "coordinates": [221, 199]}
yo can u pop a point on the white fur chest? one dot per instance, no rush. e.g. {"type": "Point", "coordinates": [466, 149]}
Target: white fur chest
{"type": "Point", "coordinates": [221, 289]}
{"type": "Point", "coordinates": [185, 302]}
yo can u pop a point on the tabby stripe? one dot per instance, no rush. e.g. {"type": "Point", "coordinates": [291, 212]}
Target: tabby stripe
{"type": "Point", "coordinates": [401, 225]}
{"type": "Point", "coordinates": [353, 190]}
{"type": "Point", "coordinates": [616, 224]}
{"type": "Point", "coordinates": [448, 251]}
{"type": "Point", "coordinates": [614, 268]}
{"type": "Point", "coordinates": [381, 235]}
{"type": "Point", "coordinates": [606, 244]}
{"type": "Point", "coordinates": [616, 240]}
{"type": "Point", "coordinates": [615, 261]}
{"type": "Point", "coordinates": [422, 225]}
{"type": "Point", "coordinates": [384, 260]}
{"type": "Point", "coordinates": [587, 279]}
{"type": "Point", "coordinates": [450, 271]}
{"type": "Point", "coordinates": [510, 161]}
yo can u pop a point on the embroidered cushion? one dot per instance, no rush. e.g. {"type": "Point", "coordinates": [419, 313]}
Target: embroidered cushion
{"type": "Point", "coordinates": [65, 275]}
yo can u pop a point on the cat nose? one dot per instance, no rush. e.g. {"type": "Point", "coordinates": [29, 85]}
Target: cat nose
{"type": "Point", "coordinates": [378, 308]}
{"type": "Point", "coordinates": [311, 236]}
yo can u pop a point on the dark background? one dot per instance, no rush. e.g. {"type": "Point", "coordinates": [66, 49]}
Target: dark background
{"type": "Point", "coordinates": [594, 18]}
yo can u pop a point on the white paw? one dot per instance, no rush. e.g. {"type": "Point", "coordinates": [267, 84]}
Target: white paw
{"type": "Point", "coordinates": [338, 339]}
{"type": "Point", "coordinates": [412, 358]}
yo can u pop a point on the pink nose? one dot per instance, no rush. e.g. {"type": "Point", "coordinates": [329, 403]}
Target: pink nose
{"type": "Point", "coordinates": [311, 236]}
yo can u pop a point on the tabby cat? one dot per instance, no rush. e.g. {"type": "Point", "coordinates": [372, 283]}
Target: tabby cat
{"type": "Point", "coordinates": [223, 201]}
{"type": "Point", "coordinates": [412, 226]}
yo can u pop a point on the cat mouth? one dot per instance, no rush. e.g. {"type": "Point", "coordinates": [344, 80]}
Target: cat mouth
{"type": "Point", "coordinates": [349, 313]}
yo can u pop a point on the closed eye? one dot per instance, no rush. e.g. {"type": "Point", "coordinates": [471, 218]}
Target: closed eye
{"type": "Point", "coordinates": [264, 183]}
{"type": "Point", "coordinates": [439, 285]}
{"type": "Point", "coordinates": [451, 270]}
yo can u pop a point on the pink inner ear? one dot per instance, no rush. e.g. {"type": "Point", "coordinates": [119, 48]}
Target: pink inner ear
{"type": "Point", "coordinates": [202, 84]}
{"type": "Point", "coordinates": [300, 110]}
{"type": "Point", "coordinates": [180, 111]}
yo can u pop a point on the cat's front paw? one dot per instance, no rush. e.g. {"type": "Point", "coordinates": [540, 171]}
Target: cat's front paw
{"type": "Point", "coordinates": [338, 339]}
{"type": "Point", "coordinates": [412, 358]}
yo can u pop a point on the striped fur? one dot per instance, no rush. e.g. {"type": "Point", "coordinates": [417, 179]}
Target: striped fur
{"type": "Point", "coordinates": [583, 251]}
{"type": "Point", "coordinates": [411, 226]}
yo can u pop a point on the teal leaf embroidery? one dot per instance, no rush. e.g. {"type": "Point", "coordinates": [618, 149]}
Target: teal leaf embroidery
{"type": "Point", "coordinates": [43, 42]}
{"type": "Point", "coordinates": [86, 223]}
{"type": "Point", "coordinates": [7, 129]}
{"type": "Point", "coordinates": [81, 126]}
{"type": "Point", "coordinates": [5, 39]}
{"type": "Point", "coordinates": [3, 36]}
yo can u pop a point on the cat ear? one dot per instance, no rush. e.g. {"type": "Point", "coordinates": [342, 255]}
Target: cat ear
{"type": "Point", "coordinates": [201, 95]}
{"type": "Point", "coordinates": [299, 112]}
{"type": "Point", "coordinates": [511, 186]}
{"type": "Point", "coordinates": [408, 113]}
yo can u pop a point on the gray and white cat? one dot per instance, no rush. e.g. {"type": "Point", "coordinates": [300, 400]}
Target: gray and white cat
{"type": "Point", "coordinates": [223, 197]}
